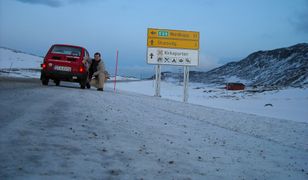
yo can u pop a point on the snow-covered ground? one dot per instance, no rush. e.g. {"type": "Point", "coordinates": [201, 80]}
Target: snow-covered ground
{"type": "Point", "coordinates": [69, 133]}
{"type": "Point", "coordinates": [290, 104]}
{"type": "Point", "coordinates": [287, 104]}
{"type": "Point", "coordinates": [122, 79]}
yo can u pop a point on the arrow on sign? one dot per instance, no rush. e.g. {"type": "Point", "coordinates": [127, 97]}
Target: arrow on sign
{"type": "Point", "coordinates": [151, 55]}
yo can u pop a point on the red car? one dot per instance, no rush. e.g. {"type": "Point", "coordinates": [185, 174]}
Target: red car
{"type": "Point", "coordinates": [64, 63]}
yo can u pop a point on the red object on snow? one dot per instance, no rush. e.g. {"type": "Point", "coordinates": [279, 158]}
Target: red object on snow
{"type": "Point", "coordinates": [235, 86]}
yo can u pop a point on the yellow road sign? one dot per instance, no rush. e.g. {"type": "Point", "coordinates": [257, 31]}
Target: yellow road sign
{"type": "Point", "coordinates": [173, 34]}
{"type": "Point", "coordinates": [166, 38]}
{"type": "Point", "coordinates": [173, 43]}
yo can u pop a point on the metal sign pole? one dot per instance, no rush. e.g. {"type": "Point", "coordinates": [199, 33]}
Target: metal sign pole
{"type": "Point", "coordinates": [186, 79]}
{"type": "Point", "coordinates": [116, 72]}
{"type": "Point", "coordinates": [157, 80]}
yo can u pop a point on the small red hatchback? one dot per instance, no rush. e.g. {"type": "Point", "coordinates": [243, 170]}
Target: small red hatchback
{"type": "Point", "coordinates": [64, 63]}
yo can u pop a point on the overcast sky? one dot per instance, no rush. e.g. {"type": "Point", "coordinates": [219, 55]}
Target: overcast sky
{"type": "Point", "coordinates": [229, 29]}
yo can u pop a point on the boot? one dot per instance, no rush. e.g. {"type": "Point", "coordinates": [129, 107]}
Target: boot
{"type": "Point", "coordinates": [88, 85]}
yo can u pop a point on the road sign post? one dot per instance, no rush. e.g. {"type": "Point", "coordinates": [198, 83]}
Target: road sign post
{"type": "Point", "coordinates": [157, 80]}
{"type": "Point", "coordinates": [116, 72]}
{"type": "Point", "coordinates": [186, 80]}
{"type": "Point", "coordinates": [172, 47]}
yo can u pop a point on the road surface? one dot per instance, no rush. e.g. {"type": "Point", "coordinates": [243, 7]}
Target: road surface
{"type": "Point", "coordinates": [50, 132]}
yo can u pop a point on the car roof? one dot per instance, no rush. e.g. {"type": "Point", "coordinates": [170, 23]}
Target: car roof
{"type": "Point", "coordinates": [68, 45]}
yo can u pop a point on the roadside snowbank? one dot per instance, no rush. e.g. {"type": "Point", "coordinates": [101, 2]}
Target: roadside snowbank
{"type": "Point", "coordinates": [290, 104]}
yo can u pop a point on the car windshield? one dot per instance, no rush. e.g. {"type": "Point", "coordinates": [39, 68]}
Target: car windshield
{"type": "Point", "coordinates": [74, 51]}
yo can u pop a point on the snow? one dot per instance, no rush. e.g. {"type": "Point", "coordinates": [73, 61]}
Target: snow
{"type": "Point", "coordinates": [10, 59]}
{"type": "Point", "coordinates": [23, 73]}
{"type": "Point", "coordinates": [289, 104]}
{"type": "Point", "coordinates": [235, 79]}
{"type": "Point", "coordinates": [18, 64]}
{"type": "Point", "coordinates": [69, 133]}
{"type": "Point", "coordinates": [124, 78]}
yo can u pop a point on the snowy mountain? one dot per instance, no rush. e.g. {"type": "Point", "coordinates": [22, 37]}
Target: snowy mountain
{"type": "Point", "coordinates": [279, 68]}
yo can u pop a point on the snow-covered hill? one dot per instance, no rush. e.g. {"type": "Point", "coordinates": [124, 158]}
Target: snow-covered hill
{"type": "Point", "coordinates": [282, 67]}
{"type": "Point", "coordinates": [10, 58]}
{"type": "Point", "coordinates": [19, 64]}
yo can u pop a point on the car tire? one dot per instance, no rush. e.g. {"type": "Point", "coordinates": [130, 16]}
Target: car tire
{"type": "Point", "coordinates": [88, 85]}
{"type": "Point", "coordinates": [44, 79]}
{"type": "Point", "coordinates": [45, 82]}
{"type": "Point", "coordinates": [57, 82]}
{"type": "Point", "coordinates": [83, 84]}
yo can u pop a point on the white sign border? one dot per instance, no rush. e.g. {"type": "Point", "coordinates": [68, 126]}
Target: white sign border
{"type": "Point", "coordinates": [172, 49]}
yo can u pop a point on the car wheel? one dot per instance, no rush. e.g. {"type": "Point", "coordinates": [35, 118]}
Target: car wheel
{"type": "Point", "coordinates": [57, 82]}
{"type": "Point", "coordinates": [88, 85]}
{"type": "Point", "coordinates": [45, 81]}
{"type": "Point", "coordinates": [83, 84]}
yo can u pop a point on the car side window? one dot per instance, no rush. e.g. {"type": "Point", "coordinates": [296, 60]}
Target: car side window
{"type": "Point", "coordinates": [86, 54]}
{"type": "Point", "coordinates": [86, 58]}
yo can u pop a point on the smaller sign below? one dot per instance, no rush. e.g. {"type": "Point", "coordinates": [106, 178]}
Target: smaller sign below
{"type": "Point", "coordinates": [178, 57]}
{"type": "Point", "coordinates": [173, 43]}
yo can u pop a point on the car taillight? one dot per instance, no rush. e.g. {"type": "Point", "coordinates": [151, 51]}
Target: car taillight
{"type": "Point", "coordinates": [43, 66]}
{"type": "Point", "coordinates": [81, 69]}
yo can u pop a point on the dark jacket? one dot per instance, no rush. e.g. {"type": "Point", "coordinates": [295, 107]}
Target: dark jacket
{"type": "Point", "coordinates": [96, 67]}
